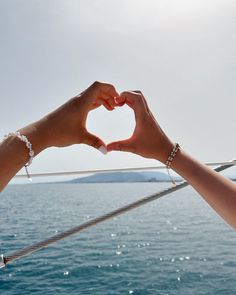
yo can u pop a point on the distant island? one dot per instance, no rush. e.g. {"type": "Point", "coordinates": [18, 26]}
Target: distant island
{"type": "Point", "coordinates": [125, 177]}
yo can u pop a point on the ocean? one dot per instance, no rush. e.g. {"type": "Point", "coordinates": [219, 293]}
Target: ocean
{"type": "Point", "coordinates": [175, 245]}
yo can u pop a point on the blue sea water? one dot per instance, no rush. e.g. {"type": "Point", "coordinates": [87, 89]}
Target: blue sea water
{"type": "Point", "coordinates": [175, 245]}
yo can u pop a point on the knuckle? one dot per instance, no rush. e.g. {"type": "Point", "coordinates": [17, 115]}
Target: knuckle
{"type": "Point", "coordinates": [125, 93]}
{"type": "Point", "coordinates": [96, 83]}
{"type": "Point", "coordinates": [136, 95]}
{"type": "Point", "coordinates": [138, 98]}
{"type": "Point", "coordinates": [137, 91]}
{"type": "Point", "coordinates": [109, 88]}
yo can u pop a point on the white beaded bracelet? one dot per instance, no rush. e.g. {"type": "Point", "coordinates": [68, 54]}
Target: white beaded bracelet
{"type": "Point", "coordinates": [170, 159]}
{"type": "Point", "coordinates": [28, 145]}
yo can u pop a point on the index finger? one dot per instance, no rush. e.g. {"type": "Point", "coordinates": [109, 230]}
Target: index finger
{"type": "Point", "coordinates": [107, 94]}
{"type": "Point", "coordinates": [100, 93]}
{"type": "Point", "coordinates": [108, 89]}
{"type": "Point", "coordinates": [135, 101]}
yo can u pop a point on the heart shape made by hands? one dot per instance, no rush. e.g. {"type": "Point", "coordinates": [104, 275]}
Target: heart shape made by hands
{"type": "Point", "coordinates": [111, 125]}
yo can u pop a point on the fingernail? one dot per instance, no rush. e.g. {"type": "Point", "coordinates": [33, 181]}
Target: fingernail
{"type": "Point", "coordinates": [103, 150]}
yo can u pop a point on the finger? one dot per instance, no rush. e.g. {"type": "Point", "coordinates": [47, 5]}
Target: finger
{"type": "Point", "coordinates": [95, 141]}
{"type": "Point", "coordinates": [123, 145]}
{"type": "Point", "coordinates": [146, 104]}
{"type": "Point", "coordinates": [101, 101]}
{"type": "Point", "coordinates": [112, 102]}
{"type": "Point", "coordinates": [109, 89]}
{"type": "Point", "coordinates": [144, 100]}
{"type": "Point", "coordinates": [120, 101]}
{"type": "Point", "coordinates": [102, 94]}
{"type": "Point", "coordinates": [109, 93]}
{"type": "Point", "coordinates": [106, 98]}
{"type": "Point", "coordinates": [135, 101]}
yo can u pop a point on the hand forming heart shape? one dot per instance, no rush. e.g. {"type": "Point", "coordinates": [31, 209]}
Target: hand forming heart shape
{"type": "Point", "coordinates": [67, 125]}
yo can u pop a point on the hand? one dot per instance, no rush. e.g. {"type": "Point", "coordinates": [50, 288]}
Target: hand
{"type": "Point", "coordinates": [67, 124]}
{"type": "Point", "coordinates": [148, 139]}
{"type": "Point", "coordinates": [69, 121]}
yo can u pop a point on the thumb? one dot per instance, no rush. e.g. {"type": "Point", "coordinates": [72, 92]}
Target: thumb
{"type": "Point", "coordinates": [122, 145]}
{"type": "Point", "coordinates": [95, 141]}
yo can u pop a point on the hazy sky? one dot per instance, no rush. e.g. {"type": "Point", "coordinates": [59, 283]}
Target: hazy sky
{"type": "Point", "coordinates": [181, 54]}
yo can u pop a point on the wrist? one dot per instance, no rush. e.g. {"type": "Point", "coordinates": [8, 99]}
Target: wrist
{"type": "Point", "coordinates": [164, 150]}
{"type": "Point", "coordinates": [38, 135]}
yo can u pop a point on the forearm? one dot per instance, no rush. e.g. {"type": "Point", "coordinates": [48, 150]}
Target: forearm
{"type": "Point", "coordinates": [150, 141]}
{"type": "Point", "coordinates": [63, 127]}
{"type": "Point", "coordinates": [218, 191]}
{"type": "Point", "coordinates": [14, 154]}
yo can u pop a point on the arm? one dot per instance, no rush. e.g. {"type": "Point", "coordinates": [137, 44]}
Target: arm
{"type": "Point", "coordinates": [218, 191]}
{"type": "Point", "coordinates": [149, 140]}
{"type": "Point", "coordinates": [63, 127]}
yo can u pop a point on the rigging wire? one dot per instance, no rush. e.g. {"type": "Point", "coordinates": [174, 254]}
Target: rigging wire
{"type": "Point", "coordinates": [65, 173]}
{"type": "Point", "coordinates": [42, 244]}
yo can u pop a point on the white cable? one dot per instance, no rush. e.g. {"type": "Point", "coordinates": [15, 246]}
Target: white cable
{"type": "Point", "coordinates": [160, 167]}
{"type": "Point", "coordinates": [5, 259]}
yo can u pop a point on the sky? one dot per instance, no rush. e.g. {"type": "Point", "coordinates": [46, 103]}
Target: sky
{"type": "Point", "coordinates": [180, 54]}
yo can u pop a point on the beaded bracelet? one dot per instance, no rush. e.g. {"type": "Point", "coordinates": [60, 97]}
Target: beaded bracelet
{"type": "Point", "coordinates": [170, 159]}
{"type": "Point", "coordinates": [28, 144]}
